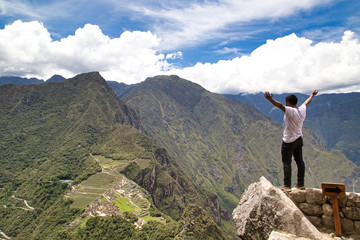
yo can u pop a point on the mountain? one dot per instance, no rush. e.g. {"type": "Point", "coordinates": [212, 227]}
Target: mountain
{"type": "Point", "coordinates": [120, 89]}
{"type": "Point", "coordinates": [19, 80]}
{"type": "Point", "coordinates": [56, 78]}
{"type": "Point", "coordinates": [221, 143]}
{"type": "Point", "coordinates": [332, 117]}
{"type": "Point", "coordinates": [339, 128]}
{"type": "Point", "coordinates": [27, 81]}
{"type": "Point", "coordinates": [72, 150]}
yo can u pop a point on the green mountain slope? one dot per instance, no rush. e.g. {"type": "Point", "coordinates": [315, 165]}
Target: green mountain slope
{"type": "Point", "coordinates": [339, 128]}
{"type": "Point", "coordinates": [78, 132]}
{"type": "Point", "coordinates": [332, 117]}
{"type": "Point", "coordinates": [223, 144]}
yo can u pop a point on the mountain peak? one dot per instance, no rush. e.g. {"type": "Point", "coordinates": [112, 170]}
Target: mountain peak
{"type": "Point", "coordinates": [56, 78]}
{"type": "Point", "coordinates": [88, 78]}
{"type": "Point", "coordinates": [182, 91]}
{"type": "Point", "coordinates": [172, 81]}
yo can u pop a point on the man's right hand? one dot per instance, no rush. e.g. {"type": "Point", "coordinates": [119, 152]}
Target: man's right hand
{"type": "Point", "coordinates": [268, 95]}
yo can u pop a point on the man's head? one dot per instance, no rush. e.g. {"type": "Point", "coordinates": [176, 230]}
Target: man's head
{"type": "Point", "coordinates": [291, 99]}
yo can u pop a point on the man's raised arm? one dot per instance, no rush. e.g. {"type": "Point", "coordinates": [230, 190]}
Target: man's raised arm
{"type": "Point", "coordinates": [311, 97]}
{"type": "Point", "coordinates": [269, 96]}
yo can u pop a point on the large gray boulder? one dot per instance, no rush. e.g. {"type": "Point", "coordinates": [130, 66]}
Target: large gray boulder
{"type": "Point", "coordinates": [264, 208]}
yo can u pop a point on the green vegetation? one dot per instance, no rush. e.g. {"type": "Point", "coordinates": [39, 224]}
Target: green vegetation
{"type": "Point", "coordinates": [222, 144]}
{"type": "Point", "coordinates": [116, 166]}
{"type": "Point", "coordinates": [47, 134]}
{"type": "Point", "coordinates": [125, 205]}
{"type": "Point", "coordinates": [78, 132]}
{"type": "Point", "coordinates": [332, 117]}
{"type": "Point", "coordinates": [120, 228]}
{"type": "Point", "coordinates": [338, 128]}
{"type": "Point", "coordinates": [198, 225]}
{"type": "Point", "coordinates": [92, 188]}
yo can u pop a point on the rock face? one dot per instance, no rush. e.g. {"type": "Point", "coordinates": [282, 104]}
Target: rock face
{"type": "Point", "coordinates": [264, 208]}
{"type": "Point", "coordinates": [284, 236]}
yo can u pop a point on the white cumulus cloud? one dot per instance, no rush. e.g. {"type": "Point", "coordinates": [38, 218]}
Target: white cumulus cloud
{"type": "Point", "coordinates": [287, 64]}
{"type": "Point", "coordinates": [26, 49]}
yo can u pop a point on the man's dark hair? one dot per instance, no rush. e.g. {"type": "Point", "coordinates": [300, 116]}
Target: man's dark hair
{"type": "Point", "coordinates": [292, 99]}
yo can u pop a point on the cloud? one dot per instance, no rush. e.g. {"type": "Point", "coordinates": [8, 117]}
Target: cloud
{"type": "Point", "coordinates": [174, 55]}
{"type": "Point", "coordinates": [49, 9]}
{"type": "Point", "coordinates": [8, 8]}
{"type": "Point", "coordinates": [287, 64]}
{"type": "Point", "coordinates": [226, 50]}
{"type": "Point", "coordinates": [198, 22]}
{"type": "Point", "coordinates": [26, 49]}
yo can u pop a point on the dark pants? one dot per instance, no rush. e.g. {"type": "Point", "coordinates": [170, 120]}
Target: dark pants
{"type": "Point", "coordinates": [287, 151]}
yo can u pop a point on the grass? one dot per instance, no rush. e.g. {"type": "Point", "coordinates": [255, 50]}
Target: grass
{"type": "Point", "coordinates": [108, 162]}
{"type": "Point", "coordinates": [124, 205]}
{"type": "Point", "coordinates": [140, 202]}
{"type": "Point", "coordinates": [119, 165]}
{"type": "Point", "coordinates": [143, 163]}
{"type": "Point", "coordinates": [92, 188]}
{"type": "Point", "coordinates": [82, 201]}
{"type": "Point", "coordinates": [157, 219]}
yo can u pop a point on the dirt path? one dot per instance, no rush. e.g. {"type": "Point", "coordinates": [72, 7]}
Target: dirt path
{"type": "Point", "coordinates": [29, 208]}
{"type": "Point", "coordinates": [4, 235]}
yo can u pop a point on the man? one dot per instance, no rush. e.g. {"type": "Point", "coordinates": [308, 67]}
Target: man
{"type": "Point", "coordinates": [292, 137]}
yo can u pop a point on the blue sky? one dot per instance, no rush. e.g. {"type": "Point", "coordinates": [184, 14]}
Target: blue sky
{"type": "Point", "coordinates": [227, 46]}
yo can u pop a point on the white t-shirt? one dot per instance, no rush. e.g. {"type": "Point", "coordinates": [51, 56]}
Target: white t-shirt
{"type": "Point", "coordinates": [293, 123]}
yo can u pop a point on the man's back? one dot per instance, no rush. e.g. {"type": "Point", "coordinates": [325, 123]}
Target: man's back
{"type": "Point", "coordinates": [293, 121]}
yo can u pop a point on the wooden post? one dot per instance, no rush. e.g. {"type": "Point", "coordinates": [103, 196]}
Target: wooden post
{"type": "Point", "coordinates": [336, 216]}
{"type": "Point", "coordinates": [334, 190]}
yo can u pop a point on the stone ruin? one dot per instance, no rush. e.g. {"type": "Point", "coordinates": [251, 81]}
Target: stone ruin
{"type": "Point", "coordinates": [318, 209]}
{"type": "Point", "coordinates": [266, 212]}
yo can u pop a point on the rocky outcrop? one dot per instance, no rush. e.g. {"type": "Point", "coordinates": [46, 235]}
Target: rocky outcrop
{"type": "Point", "coordinates": [264, 208]}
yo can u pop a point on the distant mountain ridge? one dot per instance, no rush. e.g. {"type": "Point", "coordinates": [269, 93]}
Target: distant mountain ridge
{"type": "Point", "coordinates": [27, 81]}
{"type": "Point", "coordinates": [332, 117]}
{"type": "Point", "coordinates": [19, 80]}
